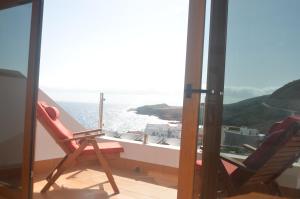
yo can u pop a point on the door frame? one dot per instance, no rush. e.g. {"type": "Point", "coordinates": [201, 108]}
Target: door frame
{"type": "Point", "coordinates": [31, 98]}
{"type": "Point", "coordinates": [214, 102]}
{"type": "Point", "coordinates": [191, 104]}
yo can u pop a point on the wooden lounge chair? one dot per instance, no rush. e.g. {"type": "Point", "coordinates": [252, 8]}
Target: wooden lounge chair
{"type": "Point", "coordinates": [75, 145]}
{"type": "Point", "coordinates": [258, 171]}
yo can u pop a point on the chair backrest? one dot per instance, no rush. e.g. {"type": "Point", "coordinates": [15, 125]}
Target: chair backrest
{"type": "Point", "coordinates": [280, 150]}
{"type": "Point", "coordinates": [49, 118]}
{"type": "Point", "coordinates": [287, 152]}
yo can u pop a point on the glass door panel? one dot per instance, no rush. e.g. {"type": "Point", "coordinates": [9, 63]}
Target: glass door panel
{"type": "Point", "coordinates": [15, 26]}
{"type": "Point", "coordinates": [258, 89]}
{"type": "Point", "coordinates": [262, 77]}
{"type": "Point", "coordinates": [20, 36]}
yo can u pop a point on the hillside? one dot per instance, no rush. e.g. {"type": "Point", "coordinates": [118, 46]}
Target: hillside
{"type": "Point", "coordinates": [287, 97]}
{"type": "Point", "coordinates": [252, 113]}
{"type": "Point", "coordinates": [261, 112]}
{"type": "Point", "coordinates": [258, 112]}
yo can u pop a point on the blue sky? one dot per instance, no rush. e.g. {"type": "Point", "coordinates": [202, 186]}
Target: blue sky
{"type": "Point", "coordinates": [14, 38]}
{"type": "Point", "coordinates": [114, 45]}
{"type": "Point", "coordinates": [130, 45]}
{"type": "Point", "coordinates": [140, 45]}
{"type": "Point", "coordinates": [263, 46]}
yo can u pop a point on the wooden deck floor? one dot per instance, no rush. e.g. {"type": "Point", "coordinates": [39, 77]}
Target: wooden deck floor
{"type": "Point", "coordinates": [91, 182]}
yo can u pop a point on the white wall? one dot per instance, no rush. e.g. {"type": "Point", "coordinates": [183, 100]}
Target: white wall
{"type": "Point", "coordinates": [150, 153]}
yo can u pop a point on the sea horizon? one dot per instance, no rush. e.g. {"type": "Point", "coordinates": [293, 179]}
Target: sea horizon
{"type": "Point", "coordinates": [84, 107]}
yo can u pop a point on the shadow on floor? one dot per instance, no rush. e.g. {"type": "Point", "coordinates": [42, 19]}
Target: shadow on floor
{"type": "Point", "coordinates": [60, 192]}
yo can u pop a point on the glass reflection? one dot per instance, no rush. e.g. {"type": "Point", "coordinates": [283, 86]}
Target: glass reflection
{"type": "Point", "coordinates": [14, 51]}
{"type": "Point", "coordinates": [262, 79]}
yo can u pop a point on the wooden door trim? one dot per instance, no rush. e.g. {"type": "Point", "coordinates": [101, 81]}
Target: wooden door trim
{"type": "Point", "coordinates": [190, 114]}
{"type": "Point", "coordinates": [31, 97]}
{"type": "Point", "coordinates": [214, 102]}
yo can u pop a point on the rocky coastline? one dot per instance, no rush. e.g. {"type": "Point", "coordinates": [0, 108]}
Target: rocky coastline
{"type": "Point", "coordinates": [162, 111]}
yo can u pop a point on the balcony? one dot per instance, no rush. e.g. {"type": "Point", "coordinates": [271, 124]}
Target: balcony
{"type": "Point", "coordinates": [138, 172]}
{"type": "Point", "coordinates": [142, 171]}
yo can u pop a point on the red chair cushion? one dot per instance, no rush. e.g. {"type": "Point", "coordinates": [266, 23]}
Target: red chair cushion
{"type": "Point", "coordinates": [48, 116]}
{"type": "Point", "coordinates": [277, 136]}
{"type": "Point", "coordinates": [53, 112]}
{"type": "Point", "coordinates": [285, 124]}
{"type": "Point", "coordinates": [105, 147]}
{"type": "Point", "coordinates": [230, 168]}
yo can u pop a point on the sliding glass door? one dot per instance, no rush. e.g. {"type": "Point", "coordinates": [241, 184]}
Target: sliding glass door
{"type": "Point", "coordinates": [262, 76]}
{"type": "Point", "coordinates": [20, 34]}
{"type": "Point", "coordinates": [252, 92]}
{"type": "Point", "coordinates": [262, 88]}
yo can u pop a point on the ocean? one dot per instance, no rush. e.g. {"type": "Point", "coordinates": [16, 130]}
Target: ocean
{"type": "Point", "coordinates": [84, 107]}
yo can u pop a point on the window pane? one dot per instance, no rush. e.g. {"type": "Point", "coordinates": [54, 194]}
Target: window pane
{"type": "Point", "coordinates": [262, 67]}
{"type": "Point", "coordinates": [14, 38]}
{"type": "Point", "coordinates": [262, 78]}
{"type": "Point", "coordinates": [14, 50]}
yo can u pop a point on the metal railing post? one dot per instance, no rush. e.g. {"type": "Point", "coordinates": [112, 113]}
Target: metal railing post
{"type": "Point", "coordinates": [101, 111]}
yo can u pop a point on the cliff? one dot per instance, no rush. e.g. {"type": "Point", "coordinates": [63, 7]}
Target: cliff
{"type": "Point", "coordinates": [162, 111]}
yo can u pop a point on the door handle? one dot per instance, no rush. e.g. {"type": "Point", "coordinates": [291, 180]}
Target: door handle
{"type": "Point", "coordinates": [189, 90]}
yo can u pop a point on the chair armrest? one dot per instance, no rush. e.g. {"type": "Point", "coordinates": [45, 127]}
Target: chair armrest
{"type": "Point", "coordinates": [249, 147]}
{"type": "Point", "coordinates": [82, 137]}
{"type": "Point", "coordinates": [235, 163]}
{"type": "Point", "coordinates": [86, 132]}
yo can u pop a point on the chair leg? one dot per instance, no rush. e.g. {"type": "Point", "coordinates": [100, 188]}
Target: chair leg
{"type": "Point", "coordinates": [56, 168]}
{"type": "Point", "coordinates": [105, 166]}
{"type": "Point", "coordinates": [53, 179]}
{"type": "Point", "coordinates": [70, 158]}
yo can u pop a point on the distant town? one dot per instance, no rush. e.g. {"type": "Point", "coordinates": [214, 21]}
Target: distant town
{"type": "Point", "coordinates": [232, 137]}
